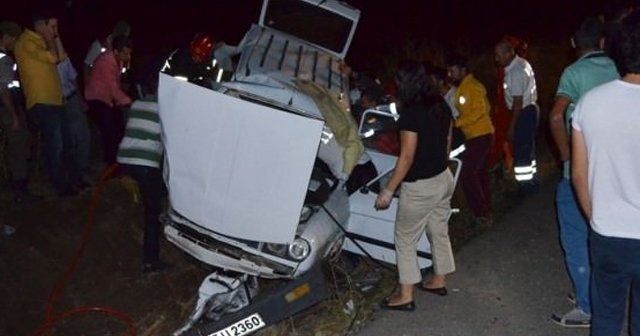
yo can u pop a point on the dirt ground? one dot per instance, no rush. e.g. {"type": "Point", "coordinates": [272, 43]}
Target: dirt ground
{"type": "Point", "coordinates": [50, 232]}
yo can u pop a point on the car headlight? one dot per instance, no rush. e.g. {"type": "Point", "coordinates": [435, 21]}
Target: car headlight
{"type": "Point", "coordinates": [299, 249]}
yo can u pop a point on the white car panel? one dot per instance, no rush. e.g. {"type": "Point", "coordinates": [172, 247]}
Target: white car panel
{"type": "Point", "coordinates": [232, 165]}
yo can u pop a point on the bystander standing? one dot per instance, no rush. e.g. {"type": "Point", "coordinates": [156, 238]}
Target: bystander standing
{"type": "Point", "coordinates": [12, 115]}
{"type": "Point", "coordinates": [592, 68]}
{"type": "Point", "coordinates": [105, 96]}
{"type": "Point", "coordinates": [425, 182]}
{"type": "Point", "coordinates": [604, 172]}
{"type": "Point", "coordinates": [475, 122]}
{"type": "Point", "coordinates": [37, 52]}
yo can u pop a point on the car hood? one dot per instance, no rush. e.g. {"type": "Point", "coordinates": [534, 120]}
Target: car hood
{"type": "Point", "coordinates": [235, 167]}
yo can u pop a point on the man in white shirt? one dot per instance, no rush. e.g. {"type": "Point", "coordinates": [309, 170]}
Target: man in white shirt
{"type": "Point", "coordinates": [604, 172]}
{"type": "Point", "coordinates": [520, 95]}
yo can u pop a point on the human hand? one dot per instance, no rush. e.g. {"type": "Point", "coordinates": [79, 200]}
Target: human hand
{"type": "Point", "coordinates": [384, 199]}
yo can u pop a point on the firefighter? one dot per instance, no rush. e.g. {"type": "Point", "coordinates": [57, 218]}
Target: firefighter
{"type": "Point", "coordinates": [520, 96]}
{"type": "Point", "coordinates": [205, 62]}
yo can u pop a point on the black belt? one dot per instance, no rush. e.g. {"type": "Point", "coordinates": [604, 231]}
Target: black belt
{"type": "Point", "coordinates": [69, 96]}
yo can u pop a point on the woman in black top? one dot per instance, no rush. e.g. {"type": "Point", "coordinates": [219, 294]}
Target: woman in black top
{"type": "Point", "coordinates": [426, 184]}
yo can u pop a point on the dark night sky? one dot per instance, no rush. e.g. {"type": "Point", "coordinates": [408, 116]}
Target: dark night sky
{"type": "Point", "coordinates": [161, 25]}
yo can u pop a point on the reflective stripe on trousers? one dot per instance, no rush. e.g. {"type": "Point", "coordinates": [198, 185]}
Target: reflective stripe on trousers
{"type": "Point", "coordinates": [525, 173]}
{"type": "Point", "coordinates": [524, 147]}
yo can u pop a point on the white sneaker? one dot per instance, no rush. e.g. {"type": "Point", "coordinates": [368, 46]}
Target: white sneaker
{"type": "Point", "coordinates": [575, 318]}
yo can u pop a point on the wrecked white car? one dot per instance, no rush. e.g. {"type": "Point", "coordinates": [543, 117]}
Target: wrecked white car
{"type": "Point", "coordinates": [255, 170]}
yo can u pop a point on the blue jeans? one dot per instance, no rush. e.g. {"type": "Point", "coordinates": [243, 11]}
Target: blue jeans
{"type": "Point", "coordinates": [79, 129]}
{"type": "Point", "coordinates": [574, 236]}
{"type": "Point", "coordinates": [55, 142]}
{"type": "Point", "coordinates": [615, 270]}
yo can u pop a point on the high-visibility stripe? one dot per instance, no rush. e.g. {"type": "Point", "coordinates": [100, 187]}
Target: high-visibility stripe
{"type": "Point", "coordinates": [525, 173]}
{"type": "Point", "coordinates": [457, 151]}
{"type": "Point", "coordinates": [524, 177]}
{"type": "Point", "coordinates": [523, 170]}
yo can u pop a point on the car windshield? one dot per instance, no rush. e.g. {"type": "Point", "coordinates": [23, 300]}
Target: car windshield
{"type": "Point", "coordinates": [303, 20]}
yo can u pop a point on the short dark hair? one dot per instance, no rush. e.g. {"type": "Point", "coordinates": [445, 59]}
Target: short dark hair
{"type": "Point", "coordinates": [120, 42]}
{"type": "Point", "coordinates": [458, 60]}
{"type": "Point", "coordinates": [42, 15]}
{"type": "Point", "coordinates": [9, 28]}
{"type": "Point", "coordinates": [627, 45]}
{"type": "Point", "coordinates": [589, 34]}
{"type": "Point", "coordinates": [411, 78]}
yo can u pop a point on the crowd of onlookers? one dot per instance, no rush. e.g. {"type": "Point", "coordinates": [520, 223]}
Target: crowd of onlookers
{"type": "Point", "coordinates": [594, 123]}
{"type": "Point", "coordinates": [43, 101]}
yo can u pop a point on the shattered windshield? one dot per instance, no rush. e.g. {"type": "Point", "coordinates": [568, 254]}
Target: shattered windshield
{"type": "Point", "coordinates": [309, 22]}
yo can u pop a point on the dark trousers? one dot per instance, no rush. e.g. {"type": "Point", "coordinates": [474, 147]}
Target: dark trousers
{"type": "Point", "coordinates": [17, 154]}
{"type": "Point", "coordinates": [110, 122]}
{"type": "Point", "coordinates": [151, 188]}
{"type": "Point", "coordinates": [475, 177]}
{"type": "Point", "coordinates": [615, 269]}
{"type": "Point", "coordinates": [524, 145]}
{"type": "Point", "coordinates": [55, 144]}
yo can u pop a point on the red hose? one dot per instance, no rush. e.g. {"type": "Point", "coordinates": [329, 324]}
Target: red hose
{"type": "Point", "coordinates": [51, 316]}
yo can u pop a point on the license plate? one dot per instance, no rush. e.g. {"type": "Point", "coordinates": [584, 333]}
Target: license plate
{"type": "Point", "coordinates": [242, 327]}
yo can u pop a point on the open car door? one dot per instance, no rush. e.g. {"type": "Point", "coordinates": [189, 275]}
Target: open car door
{"type": "Point", "coordinates": [374, 230]}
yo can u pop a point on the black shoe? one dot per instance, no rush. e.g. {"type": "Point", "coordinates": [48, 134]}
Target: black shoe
{"type": "Point", "coordinates": [442, 291]}
{"type": "Point", "coordinates": [155, 267]}
{"type": "Point", "coordinates": [408, 307]}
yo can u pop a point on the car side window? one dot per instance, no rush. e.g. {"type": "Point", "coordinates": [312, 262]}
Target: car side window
{"type": "Point", "coordinates": [378, 130]}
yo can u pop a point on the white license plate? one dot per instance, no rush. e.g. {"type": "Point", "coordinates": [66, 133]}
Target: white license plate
{"type": "Point", "coordinates": [242, 327]}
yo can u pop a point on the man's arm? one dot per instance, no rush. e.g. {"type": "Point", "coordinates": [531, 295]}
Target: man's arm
{"type": "Point", "coordinates": [32, 50]}
{"type": "Point", "coordinates": [558, 128]}
{"type": "Point", "coordinates": [580, 171]}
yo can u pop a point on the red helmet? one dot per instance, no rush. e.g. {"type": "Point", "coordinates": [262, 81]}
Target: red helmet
{"type": "Point", "coordinates": [201, 47]}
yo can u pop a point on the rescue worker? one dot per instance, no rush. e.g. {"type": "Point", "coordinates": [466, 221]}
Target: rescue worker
{"type": "Point", "coordinates": [501, 153]}
{"type": "Point", "coordinates": [520, 96]}
{"type": "Point", "coordinates": [204, 63]}
{"type": "Point", "coordinates": [12, 116]}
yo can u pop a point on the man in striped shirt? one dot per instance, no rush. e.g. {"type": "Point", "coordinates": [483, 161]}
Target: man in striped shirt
{"type": "Point", "coordinates": [140, 155]}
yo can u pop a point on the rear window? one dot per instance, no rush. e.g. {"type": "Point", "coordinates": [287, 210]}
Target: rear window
{"type": "Point", "coordinates": [309, 22]}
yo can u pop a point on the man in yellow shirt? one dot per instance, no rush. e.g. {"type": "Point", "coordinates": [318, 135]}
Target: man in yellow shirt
{"type": "Point", "coordinates": [475, 122]}
{"type": "Point", "coordinates": [37, 52]}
